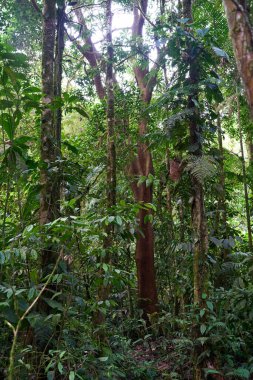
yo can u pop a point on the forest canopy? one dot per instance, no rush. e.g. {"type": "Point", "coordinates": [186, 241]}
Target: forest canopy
{"type": "Point", "coordinates": [126, 190]}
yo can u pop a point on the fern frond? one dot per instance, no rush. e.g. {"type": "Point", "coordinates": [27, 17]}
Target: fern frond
{"type": "Point", "coordinates": [201, 167]}
{"type": "Point", "coordinates": [178, 117]}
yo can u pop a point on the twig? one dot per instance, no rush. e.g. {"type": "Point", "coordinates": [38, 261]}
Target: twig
{"type": "Point", "coordinates": [86, 6]}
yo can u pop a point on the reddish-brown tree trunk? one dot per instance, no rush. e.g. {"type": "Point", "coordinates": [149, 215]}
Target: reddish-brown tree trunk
{"type": "Point", "coordinates": [147, 293]}
{"type": "Point", "coordinates": [142, 166]}
{"type": "Point", "coordinates": [241, 33]}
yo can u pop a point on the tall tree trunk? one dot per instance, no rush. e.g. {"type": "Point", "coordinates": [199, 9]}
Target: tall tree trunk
{"type": "Point", "coordinates": [111, 151]}
{"type": "Point", "coordinates": [89, 51]}
{"type": "Point", "coordinates": [245, 185]}
{"type": "Point", "coordinates": [249, 147]}
{"type": "Point", "coordinates": [104, 290]}
{"type": "Point", "coordinates": [147, 293]}
{"type": "Point", "coordinates": [222, 206]}
{"type": "Point", "coordinates": [142, 166]}
{"type": "Point", "coordinates": [49, 196]}
{"type": "Point", "coordinates": [241, 33]}
{"type": "Point", "coordinates": [199, 224]}
{"type": "Point", "coordinates": [59, 50]}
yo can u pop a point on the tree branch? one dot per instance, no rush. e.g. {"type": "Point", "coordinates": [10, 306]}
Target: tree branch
{"type": "Point", "coordinates": [35, 6]}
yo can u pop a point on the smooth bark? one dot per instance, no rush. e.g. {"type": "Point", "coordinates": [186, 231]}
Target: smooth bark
{"type": "Point", "coordinates": [241, 34]}
{"type": "Point", "coordinates": [143, 166]}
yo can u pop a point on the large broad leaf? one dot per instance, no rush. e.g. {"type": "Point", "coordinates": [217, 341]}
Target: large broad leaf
{"type": "Point", "coordinates": [70, 147]}
{"type": "Point", "coordinates": [22, 141]}
{"type": "Point", "coordinates": [54, 304]}
{"type": "Point", "coordinates": [242, 373]}
{"type": "Point", "coordinates": [7, 123]}
{"type": "Point", "coordinates": [81, 111]}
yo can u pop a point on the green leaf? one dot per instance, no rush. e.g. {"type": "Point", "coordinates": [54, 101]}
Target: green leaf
{"type": "Point", "coordinates": [50, 375]}
{"type": "Point", "coordinates": [105, 267]}
{"type": "Point", "coordinates": [183, 20]}
{"type": "Point", "coordinates": [209, 305]}
{"type": "Point", "coordinates": [241, 372]}
{"type": "Point", "coordinates": [70, 147]}
{"type": "Point", "coordinates": [54, 304]}
{"type": "Point", "coordinates": [103, 358]}
{"type": "Point", "coordinates": [202, 340]}
{"type": "Point", "coordinates": [220, 53]}
{"type": "Point", "coordinates": [5, 104]}
{"type": "Point", "coordinates": [7, 124]}
{"type": "Point", "coordinates": [60, 368]}
{"type": "Point", "coordinates": [9, 293]}
{"type": "Point", "coordinates": [202, 312]}
{"type": "Point", "coordinates": [203, 329]}
{"type": "Point", "coordinates": [202, 32]}
{"type": "Point", "coordinates": [72, 375]}
{"type": "Point", "coordinates": [31, 293]}
{"type": "Point", "coordinates": [209, 371]}
{"type": "Point", "coordinates": [119, 220]}
{"type": "Point", "coordinates": [2, 258]}
{"type": "Point", "coordinates": [62, 354]}
{"type": "Point", "coordinates": [22, 140]}
{"type": "Point", "coordinates": [216, 241]}
{"type": "Point", "coordinates": [81, 111]}
{"type": "Point", "coordinates": [111, 219]}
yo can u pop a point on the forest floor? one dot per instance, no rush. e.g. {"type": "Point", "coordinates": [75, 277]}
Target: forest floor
{"type": "Point", "coordinates": [159, 355]}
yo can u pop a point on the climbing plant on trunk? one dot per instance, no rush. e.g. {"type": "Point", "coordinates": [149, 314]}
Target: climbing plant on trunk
{"type": "Point", "coordinates": [49, 196]}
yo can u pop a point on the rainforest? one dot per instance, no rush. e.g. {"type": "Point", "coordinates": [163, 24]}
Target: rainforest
{"type": "Point", "coordinates": [126, 189]}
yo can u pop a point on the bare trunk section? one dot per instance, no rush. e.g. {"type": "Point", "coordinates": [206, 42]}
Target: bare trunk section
{"type": "Point", "coordinates": [142, 166]}
{"type": "Point", "coordinates": [49, 196]}
{"type": "Point", "coordinates": [245, 185]}
{"type": "Point", "coordinates": [91, 54]}
{"type": "Point", "coordinates": [147, 293]}
{"type": "Point", "coordinates": [242, 37]}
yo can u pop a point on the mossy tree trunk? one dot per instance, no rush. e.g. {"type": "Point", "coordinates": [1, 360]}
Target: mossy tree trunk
{"type": "Point", "coordinates": [49, 195]}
